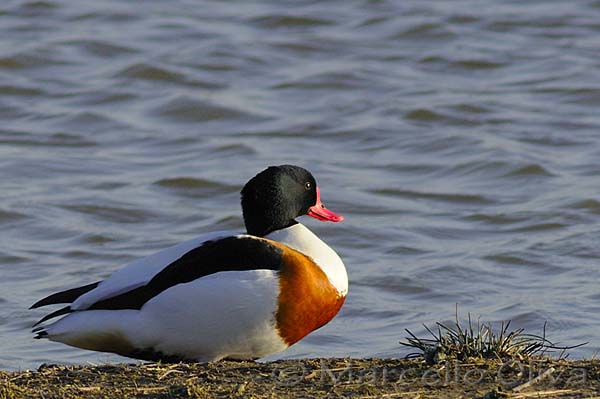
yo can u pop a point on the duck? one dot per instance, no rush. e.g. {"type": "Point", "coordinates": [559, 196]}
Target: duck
{"type": "Point", "coordinates": [222, 295]}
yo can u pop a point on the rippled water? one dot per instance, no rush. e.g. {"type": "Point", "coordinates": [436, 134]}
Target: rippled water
{"type": "Point", "coordinates": [460, 140]}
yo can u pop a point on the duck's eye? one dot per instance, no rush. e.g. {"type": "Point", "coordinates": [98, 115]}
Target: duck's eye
{"type": "Point", "coordinates": [307, 185]}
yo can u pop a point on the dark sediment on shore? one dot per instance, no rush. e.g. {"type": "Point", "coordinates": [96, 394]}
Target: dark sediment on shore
{"type": "Point", "coordinates": [310, 378]}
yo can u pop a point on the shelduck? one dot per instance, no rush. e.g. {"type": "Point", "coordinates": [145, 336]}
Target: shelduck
{"type": "Point", "coordinates": [221, 295]}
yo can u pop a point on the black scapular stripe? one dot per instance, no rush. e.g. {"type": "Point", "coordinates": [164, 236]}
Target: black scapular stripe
{"type": "Point", "coordinates": [67, 296]}
{"type": "Point", "coordinates": [227, 254]}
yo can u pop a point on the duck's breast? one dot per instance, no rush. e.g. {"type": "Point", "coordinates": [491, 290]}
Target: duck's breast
{"type": "Point", "coordinates": [300, 238]}
{"type": "Point", "coordinates": [307, 299]}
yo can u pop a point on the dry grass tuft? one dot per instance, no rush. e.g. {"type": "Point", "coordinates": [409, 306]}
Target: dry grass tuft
{"type": "Point", "coordinates": [480, 341]}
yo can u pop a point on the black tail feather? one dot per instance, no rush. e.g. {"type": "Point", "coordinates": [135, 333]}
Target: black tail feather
{"type": "Point", "coordinates": [59, 312]}
{"type": "Point", "coordinates": [67, 296]}
{"type": "Point", "coordinates": [41, 334]}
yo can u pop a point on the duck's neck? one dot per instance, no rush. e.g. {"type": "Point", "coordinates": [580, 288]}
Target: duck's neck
{"type": "Point", "coordinates": [257, 227]}
{"type": "Point", "coordinates": [302, 239]}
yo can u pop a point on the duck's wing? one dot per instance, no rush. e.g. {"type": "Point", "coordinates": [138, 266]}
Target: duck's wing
{"type": "Point", "coordinates": [133, 275]}
{"type": "Point", "coordinates": [230, 253]}
{"type": "Point", "coordinates": [233, 253]}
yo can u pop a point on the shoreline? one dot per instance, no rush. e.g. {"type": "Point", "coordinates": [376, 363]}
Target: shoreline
{"type": "Point", "coordinates": [320, 377]}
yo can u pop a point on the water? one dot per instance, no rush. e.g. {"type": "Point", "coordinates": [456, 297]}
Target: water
{"type": "Point", "coordinates": [460, 140]}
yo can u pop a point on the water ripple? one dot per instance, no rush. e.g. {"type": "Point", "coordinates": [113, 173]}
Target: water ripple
{"type": "Point", "coordinates": [394, 284]}
{"type": "Point", "coordinates": [590, 205]}
{"type": "Point", "coordinates": [194, 187]}
{"type": "Point", "coordinates": [152, 73]}
{"type": "Point", "coordinates": [112, 213]}
{"type": "Point", "coordinates": [53, 140]}
{"type": "Point", "coordinates": [442, 197]}
{"type": "Point", "coordinates": [328, 80]}
{"type": "Point", "coordinates": [531, 170]}
{"type": "Point", "coordinates": [33, 59]}
{"type": "Point", "coordinates": [289, 21]}
{"type": "Point", "coordinates": [9, 90]}
{"type": "Point", "coordinates": [102, 49]}
{"type": "Point", "coordinates": [193, 110]}
{"type": "Point", "coordinates": [10, 216]}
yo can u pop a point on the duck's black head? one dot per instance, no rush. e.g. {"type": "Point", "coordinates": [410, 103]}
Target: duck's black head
{"type": "Point", "coordinates": [275, 197]}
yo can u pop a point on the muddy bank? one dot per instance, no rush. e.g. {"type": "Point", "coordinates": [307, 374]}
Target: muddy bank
{"type": "Point", "coordinates": [308, 378]}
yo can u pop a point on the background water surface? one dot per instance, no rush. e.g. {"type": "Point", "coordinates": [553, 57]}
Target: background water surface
{"type": "Point", "coordinates": [460, 140]}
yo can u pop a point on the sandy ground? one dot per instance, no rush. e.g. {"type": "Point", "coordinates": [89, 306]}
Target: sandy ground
{"type": "Point", "coordinates": [310, 378]}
